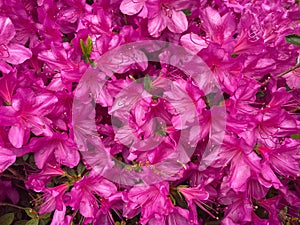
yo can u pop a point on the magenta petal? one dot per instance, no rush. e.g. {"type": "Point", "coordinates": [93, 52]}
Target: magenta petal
{"type": "Point", "coordinates": [66, 152]}
{"type": "Point", "coordinates": [44, 103]}
{"type": "Point", "coordinates": [87, 207]}
{"type": "Point", "coordinates": [18, 54]}
{"type": "Point", "coordinates": [178, 22]}
{"type": "Point", "coordinates": [13, 195]}
{"type": "Point", "coordinates": [4, 67]}
{"type": "Point", "coordinates": [59, 216]}
{"type": "Point", "coordinates": [7, 30]}
{"type": "Point", "coordinates": [131, 7]}
{"type": "Point", "coordinates": [105, 188]}
{"type": "Point", "coordinates": [193, 42]}
{"type": "Point", "coordinates": [16, 135]}
{"type": "Point", "coordinates": [7, 158]}
{"type": "Point", "coordinates": [156, 25]}
{"type": "Point", "coordinates": [6, 190]}
{"type": "Point", "coordinates": [240, 174]}
{"type": "Point", "coordinates": [268, 178]}
{"type": "Point", "coordinates": [41, 156]}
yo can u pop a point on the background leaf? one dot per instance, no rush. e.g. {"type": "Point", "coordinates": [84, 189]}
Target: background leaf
{"type": "Point", "coordinates": [293, 39]}
{"type": "Point", "coordinates": [33, 222]}
{"type": "Point", "coordinates": [7, 219]}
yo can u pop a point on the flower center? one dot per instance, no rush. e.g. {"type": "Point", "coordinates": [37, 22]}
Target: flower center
{"type": "Point", "coordinates": [167, 10]}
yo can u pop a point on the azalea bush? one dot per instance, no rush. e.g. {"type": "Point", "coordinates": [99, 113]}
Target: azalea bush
{"type": "Point", "coordinates": [149, 112]}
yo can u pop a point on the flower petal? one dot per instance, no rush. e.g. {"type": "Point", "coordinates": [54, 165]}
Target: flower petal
{"type": "Point", "coordinates": [131, 7]}
{"type": "Point", "coordinates": [16, 135]}
{"type": "Point", "coordinates": [156, 25]}
{"type": "Point", "coordinates": [178, 22]}
{"type": "Point", "coordinates": [7, 30]}
{"type": "Point", "coordinates": [7, 158]}
{"type": "Point", "coordinates": [18, 54]}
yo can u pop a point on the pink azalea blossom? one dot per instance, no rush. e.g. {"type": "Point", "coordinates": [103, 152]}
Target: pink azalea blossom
{"type": "Point", "coordinates": [195, 196]}
{"type": "Point", "coordinates": [131, 7]}
{"type": "Point", "coordinates": [84, 191]}
{"type": "Point", "coordinates": [53, 199]}
{"type": "Point", "coordinates": [59, 146]}
{"type": "Point", "coordinates": [283, 159]}
{"type": "Point", "coordinates": [218, 28]}
{"type": "Point", "coordinates": [151, 112]}
{"type": "Point", "coordinates": [8, 191]}
{"type": "Point", "coordinates": [176, 217]}
{"type": "Point", "coordinates": [38, 181]}
{"type": "Point", "coordinates": [10, 52]}
{"type": "Point", "coordinates": [26, 113]}
{"type": "Point", "coordinates": [165, 13]}
{"type": "Point", "coordinates": [152, 201]}
{"type": "Point", "coordinates": [7, 157]}
{"type": "Point", "coordinates": [7, 87]}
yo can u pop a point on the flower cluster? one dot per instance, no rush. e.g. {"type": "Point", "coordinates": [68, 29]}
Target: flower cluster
{"type": "Point", "coordinates": [195, 121]}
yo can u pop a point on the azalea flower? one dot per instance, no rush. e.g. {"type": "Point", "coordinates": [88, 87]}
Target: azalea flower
{"type": "Point", "coordinates": [7, 158]}
{"type": "Point", "coordinates": [7, 190]}
{"type": "Point", "coordinates": [166, 14]}
{"type": "Point", "coordinates": [38, 181]}
{"type": "Point", "coordinates": [26, 113]}
{"type": "Point", "coordinates": [53, 199]}
{"type": "Point", "coordinates": [10, 52]}
{"type": "Point", "coordinates": [151, 112]}
{"type": "Point", "coordinates": [219, 29]}
{"type": "Point", "coordinates": [195, 197]}
{"type": "Point", "coordinates": [83, 194]}
{"type": "Point", "coordinates": [131, 7]}
{"type": "Point", "coordinates": [7, 86]}
{"type": "Point", "coordinates": [152, 201]}
{"type": "Point", "coordinates": [59, 146]}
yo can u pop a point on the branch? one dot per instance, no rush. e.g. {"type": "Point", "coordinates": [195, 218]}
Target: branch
{"type": "Point", "coordinates": [11, 205]}
{"type": "Point", "coordinates": [16, 174]}
{"type": "Point", "coordinates": [289, 70]}
{"type": "Point", "coordinates": [11, 177]}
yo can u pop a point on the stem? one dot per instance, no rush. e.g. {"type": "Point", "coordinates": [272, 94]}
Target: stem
{"type": "Point", "coordinates": [289, 70]}
{"type": "Point", "coordinates": [11, 205]}
{"type": "Point", "coordinates": [212, 223]}
{"type": "Point", "coordinates": [125, 19]}
{"type": "Point", "coordinates": [16, 174]}
{"type": "Point", "coordinates": [11, 177]}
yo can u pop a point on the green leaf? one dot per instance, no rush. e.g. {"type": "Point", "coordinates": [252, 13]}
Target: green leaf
{"type": "Point", "coordinates": [82, 45]}
{"type": "Point", "coordinates": [20, 222]}
{"type": "Point", "coordinates": [295, 136]}
{"type": "Point", "coordinates": [33, 222]}
{"type": "Point", "coordinates": [293, 39]}
{"type": "Point", "coordinates": [86, 48]}
{"type": "Point", "coordinates": [25, 157]}
{"type": "Point", "coordinates": [46, 216]}
{"type": "Point", "coordinates": [89, 46]}
{"type": "Point", "coordinates": [147, 82]}
{"type": "Point", "coordinates": [65, 39]}
{"type": "Point", "coordinates": [7, 103]}
{"type": "Point", "coordinates": [187, 12]}
{"type": "Point", "coordinates": [31, 159]}
{"type": "Point", "coordinates": [42, 222]}
{"type": "Point", "coordinates": [31, 213]}
{"type": "Point", "coordinates": [7, 219]}
{"type": "Point", "coordinates": [234, 55]}
{"type": "Point", "coordinates": [80, 168]}
{"type": "Point", "coordinates": [70, 171]}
